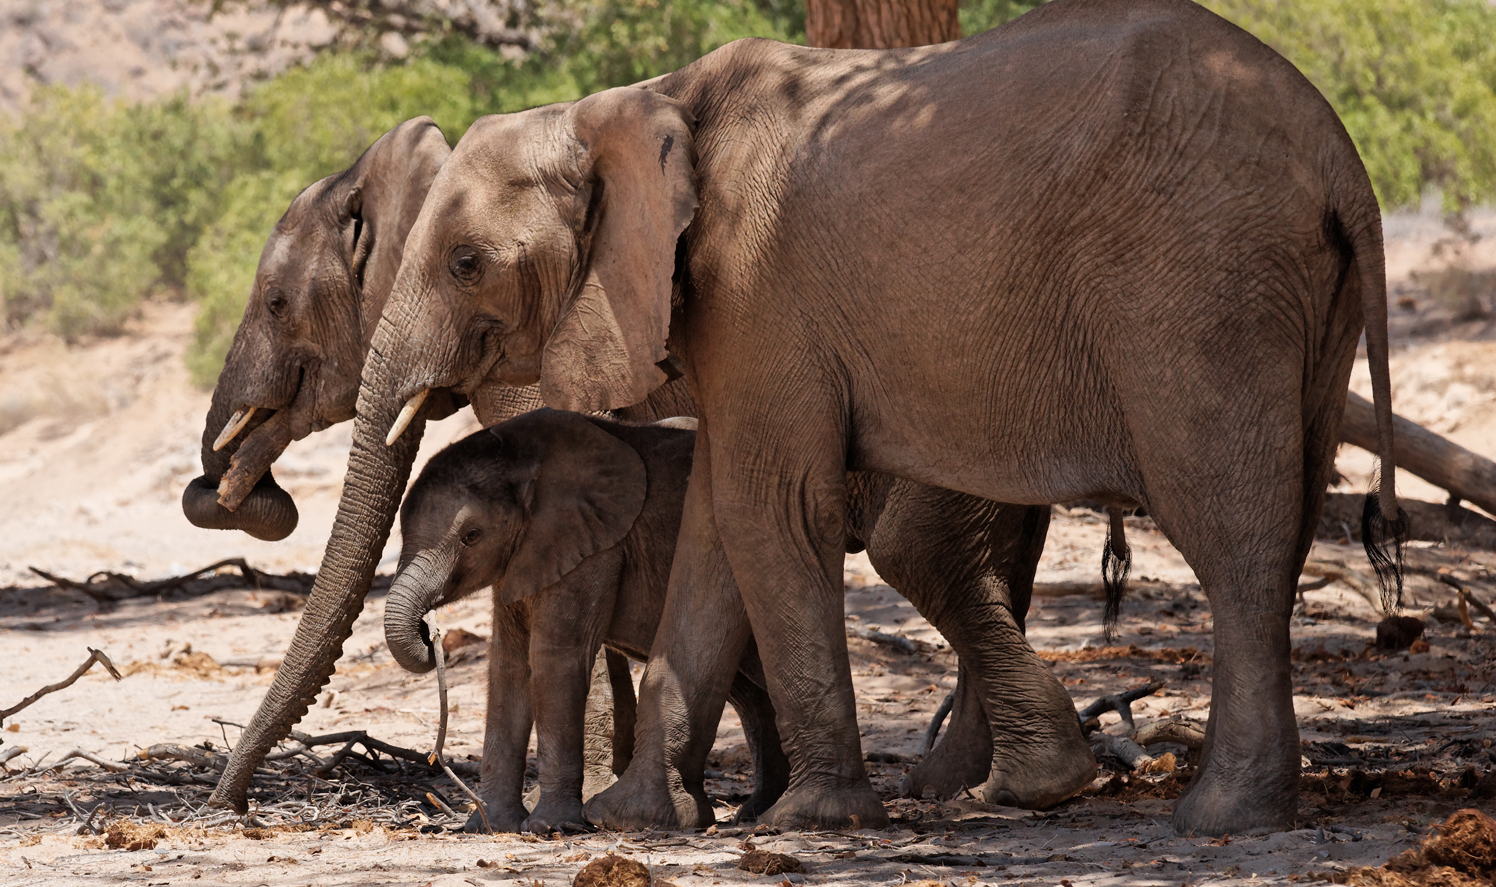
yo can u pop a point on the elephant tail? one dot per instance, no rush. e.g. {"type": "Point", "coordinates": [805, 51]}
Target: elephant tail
{"type": "Point", "coordinates": [1116, 562]}
{"type": "Point", "coordinates": [1384, 525]}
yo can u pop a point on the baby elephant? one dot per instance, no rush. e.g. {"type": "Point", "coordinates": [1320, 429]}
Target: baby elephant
{"type": "Point", "coordinates": [573, 522]}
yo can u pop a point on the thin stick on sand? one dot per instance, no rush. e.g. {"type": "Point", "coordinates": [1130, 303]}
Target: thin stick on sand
{"type": "Point", "coordinates": [441, 727]}
{"type": "Point", "coordinates": [93, 656]}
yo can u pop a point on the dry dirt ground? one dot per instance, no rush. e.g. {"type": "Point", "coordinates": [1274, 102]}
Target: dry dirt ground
{"type": "Point", "coordinates": [97, 441]}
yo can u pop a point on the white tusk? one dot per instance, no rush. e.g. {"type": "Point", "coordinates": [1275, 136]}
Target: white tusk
{"type": "Point", "coordinates": [408, 413]}
{"type": "Point", "coordinates": [231, 430]}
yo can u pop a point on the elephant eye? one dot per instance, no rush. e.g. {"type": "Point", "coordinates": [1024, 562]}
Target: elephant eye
{"type": "Point", "coordinates": [464, 265]}
{"type": "Point", "coordinates": [277, 303]}
{"type": "Point", "coordinates": [472, 536]}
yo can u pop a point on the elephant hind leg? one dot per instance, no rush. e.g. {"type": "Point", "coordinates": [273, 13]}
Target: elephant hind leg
{"type": "Point", "coordinates": [962, 757]}
{"type": "Point", "coordinates": [1239, 521]}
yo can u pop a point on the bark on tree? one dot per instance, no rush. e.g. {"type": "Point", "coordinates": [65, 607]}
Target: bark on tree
{"type": "Point", "coordinates": [1464, 474]}
{"type": "Point", "coordinates": [880, 24]}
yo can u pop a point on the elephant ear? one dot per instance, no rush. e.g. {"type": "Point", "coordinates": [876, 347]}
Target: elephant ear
{"type": "Point", "coordinates": [637, 158]}
{"type": "Point", "coordinates": [588, 491]}
{"type": "Point", "coordinates": [385, 191]}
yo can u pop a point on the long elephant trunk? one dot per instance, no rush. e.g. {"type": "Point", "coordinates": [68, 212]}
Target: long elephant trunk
{"type": "Point", "coordinates": [376, 479]}
{"type": "Point", "coordinates": [268, 512]}
{"type": "Point", "coordinates": [413, 594]}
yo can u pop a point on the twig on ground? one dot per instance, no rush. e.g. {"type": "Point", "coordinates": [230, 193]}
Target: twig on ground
{"type": "Point", "coordinates": [12, 752]}
{"type": "Point", "coordinates": [441, 729]}
{"type": "Point", "coordinates": [898, 642]}
{"type": "Point", "coordinates": [78, 753]}
{"type": "Point", "coordinates": [108, 587]}
{"type": "Point", "coordinates": [1175, 730]}
{"type": "Point", "coordinates": [197, 757]}
{"type": "Point", "coordinates": [93, 656]}
{"type": "Point", "coordinates": [1121, 703]}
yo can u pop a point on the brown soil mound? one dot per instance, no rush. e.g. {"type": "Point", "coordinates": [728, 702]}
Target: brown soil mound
{"type": "Point", "coordinates": [1462, 852]}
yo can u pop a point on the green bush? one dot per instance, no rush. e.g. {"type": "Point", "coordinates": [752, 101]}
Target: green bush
{"type": "Point", "coordinates": [100, 203]}
{"type": "Point", "coordinates": [1413, 80]}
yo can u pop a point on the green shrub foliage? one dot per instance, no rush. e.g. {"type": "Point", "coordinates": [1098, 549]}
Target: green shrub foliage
{"type": "Point", "coordinates": [104, 203]}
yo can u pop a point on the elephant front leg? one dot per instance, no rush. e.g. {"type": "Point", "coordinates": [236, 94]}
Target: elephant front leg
{"type": "Point", "coordinates": [566, 630]}
{"type": "Point", "coordinates": [780, 501]}
{"type": "Point", "coordinates": [700, 640]}
{"type": "Point", "coordinates": [506, 735]}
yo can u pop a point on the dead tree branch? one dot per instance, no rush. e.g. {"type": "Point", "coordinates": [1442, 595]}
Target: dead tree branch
{"type": "Point", "coordinates": [93, 656]}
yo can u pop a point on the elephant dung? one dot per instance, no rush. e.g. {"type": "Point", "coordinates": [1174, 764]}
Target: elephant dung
{"type": "Point", "coordinates": [613, 871]}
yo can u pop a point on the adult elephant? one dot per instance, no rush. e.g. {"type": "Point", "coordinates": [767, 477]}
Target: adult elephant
{"type": "Point", "coordinates": [323, 279]}
{"type": "Point", "coordinates": [1111, 250]}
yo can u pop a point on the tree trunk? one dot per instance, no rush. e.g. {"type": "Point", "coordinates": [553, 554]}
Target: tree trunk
{"type": "Point", "coordinates": [880, 24]}
{"type": "Point", "coordinates": [1464, 474]}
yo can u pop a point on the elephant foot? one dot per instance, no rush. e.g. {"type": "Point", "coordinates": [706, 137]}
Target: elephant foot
{"type": "Point", "coordinates": [757, 803]}
{"type": "Point", "coordinates": [638, 802]}
{"type": "Point", "coordinates": [1213, 806]}
{"type": "Point", "coordinates": [500, 819]}
{"type": "Point", "coordinates": [819, 808]}
{"type": "Point", "coordinates": [949, 768]}
{"type": "Point", "coordinates": [557, 816]}
{"type": "Point", "coordinates": [1037, 778]}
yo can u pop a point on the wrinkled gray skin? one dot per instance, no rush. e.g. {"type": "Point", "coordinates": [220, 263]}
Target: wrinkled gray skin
{"type": "Point", "coordinates": [1120, 251]}
{"type": "Point", "coordinates": [924, 540]}
{"type": "Point", "coordinates": [572, 521]}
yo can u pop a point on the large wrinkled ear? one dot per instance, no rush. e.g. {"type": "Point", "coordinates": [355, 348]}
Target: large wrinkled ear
{"type": "Point", "coordinates": [637, 160]}
{"type": "Point", "coordinates": [589, 490]}
{"type": "Point", "coordinates": [388, 185]}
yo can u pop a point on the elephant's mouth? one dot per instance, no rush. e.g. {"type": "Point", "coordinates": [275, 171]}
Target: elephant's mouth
{"type": "Point", "coordinates": [266, 434]}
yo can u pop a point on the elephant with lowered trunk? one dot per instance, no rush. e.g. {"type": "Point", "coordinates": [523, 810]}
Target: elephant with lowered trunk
{"type": "Point", "coordinates": [1112, 250]}
{"type": "Point", "coordinates": [323, 279]}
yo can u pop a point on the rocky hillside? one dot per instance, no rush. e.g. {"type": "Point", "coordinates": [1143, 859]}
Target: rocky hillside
{"type": "Point", "coordinates": [140, 48]}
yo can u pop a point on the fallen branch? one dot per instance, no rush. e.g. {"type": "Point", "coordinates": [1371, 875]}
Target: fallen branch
{"type": "Point", "coordinates": [1442, 463]}
{"type": "Point", "coordinates": [197, 757]}
{"type": "Point", "coordinates": [78, 753]}
{"type": "Point", "coordinates": [1121, 703]}
{"type": "Point", "coordinates": [1175, 730]}
{"type": "Point", "coordinates": [441, 728]}
{"type": "Point", "coordinates": [1467, 596]}
{"type": "Point", "coordinates": [108, 587]}
{"type": "Point", "coordinates": [1337, 572]}
{"type": "Point", "coordinates": [898, 642]}
{"type": "Point", "coordinates": [93, 656]}
{"type": "Point", "coordinates": [1132, 754]}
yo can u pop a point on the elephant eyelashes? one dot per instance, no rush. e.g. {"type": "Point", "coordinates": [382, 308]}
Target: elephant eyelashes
{"type": "Point", "coordinates": [471, 537]}
{"type": "Point", "coordinates": [465, 266]}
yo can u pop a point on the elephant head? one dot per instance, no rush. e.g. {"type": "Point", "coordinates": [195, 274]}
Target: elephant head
{"type": "Point", "coordinates": [297, 355]}
{"type": "Point", "coordinates": [519, 506]}
{"type": "Point", "coordinates": [546, 253]}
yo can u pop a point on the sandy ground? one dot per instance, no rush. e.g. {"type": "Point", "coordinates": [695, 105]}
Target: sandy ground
{"type": "Point", "coordinates": [96, 443]}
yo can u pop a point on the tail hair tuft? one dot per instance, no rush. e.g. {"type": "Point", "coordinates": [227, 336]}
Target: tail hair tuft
{"type": "Point", "coordinates": [1383, 540]}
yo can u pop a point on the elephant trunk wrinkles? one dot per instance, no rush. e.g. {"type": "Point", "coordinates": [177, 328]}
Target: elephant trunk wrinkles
{"type": "Point", "coordinates": [376, 480]}
{"type": "Point", "coordinates": [268, 512]}
{"type": "Point", "coordinates": [414, 593]}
